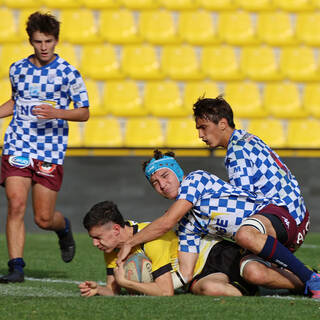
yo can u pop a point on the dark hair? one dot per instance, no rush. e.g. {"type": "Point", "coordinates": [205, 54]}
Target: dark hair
{"type": "Point", "coordinates": [157, 154]}
{"type": "Point", "coordinates": [102, 213]}
{"type": "Point", "coordinates": [44, 22]}
{"type": "Point", "coordinates": [213, 110]}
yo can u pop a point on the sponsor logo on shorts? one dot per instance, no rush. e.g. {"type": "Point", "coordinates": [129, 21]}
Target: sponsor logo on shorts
{"type": "Point", "coordinates": [19, 161]}
{"type": "Point", "coordinates": [46, 168]}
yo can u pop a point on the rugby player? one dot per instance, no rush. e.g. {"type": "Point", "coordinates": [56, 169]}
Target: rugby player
{"type": "Point", "coordinates": [35, 142]}
{"type": "Point", "coordinates": [205, 204]}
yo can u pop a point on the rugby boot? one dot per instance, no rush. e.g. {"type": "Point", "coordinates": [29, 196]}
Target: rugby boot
{"type": "Point", "coordinates": [313, 286]}
{"type": "Point", "coordinates": [67, 243]}
{"type": "Point", "coordinates": [16, 273]}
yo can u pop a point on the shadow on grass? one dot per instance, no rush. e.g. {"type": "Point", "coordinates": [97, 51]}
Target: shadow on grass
{"type": "Point", "coordinates": [40, 274]}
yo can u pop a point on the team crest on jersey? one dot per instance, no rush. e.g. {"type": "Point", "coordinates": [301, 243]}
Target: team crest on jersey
{"type": "Point", "coordinates": [46, 168]}
{"type": "Point", "coordinates": [51, 76]}
{"type": "Point", "coordinates": [19, 161]}
{"type": "Point", "coordinates": [34, 89]}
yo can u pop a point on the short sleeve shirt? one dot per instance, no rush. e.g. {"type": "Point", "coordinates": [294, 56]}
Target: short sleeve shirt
{"type": "Point", "coordinates": [255, 167]}
{"type": "Point", "coordinates": [57, 84]}
{"type": "Point", "coordinates": [218, 209]}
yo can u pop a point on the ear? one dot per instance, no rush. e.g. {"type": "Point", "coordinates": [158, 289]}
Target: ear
{"type": "Point", "coordinates": [223, 124]}
{"type": "Point", "coordinates": [116, 228]}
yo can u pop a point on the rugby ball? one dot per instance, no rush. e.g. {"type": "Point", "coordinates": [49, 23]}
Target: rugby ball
{"type": "Point", "coordinates": [138, 268]}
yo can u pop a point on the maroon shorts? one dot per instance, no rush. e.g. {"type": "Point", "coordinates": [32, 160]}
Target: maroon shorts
{"type": "Point", "coordinates": [47, 174]}
{"type": "Point", "coordinates": [296, 233]}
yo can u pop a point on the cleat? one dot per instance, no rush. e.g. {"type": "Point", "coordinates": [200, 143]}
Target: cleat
{"type": "Point", "coordinates": [13, 277]}
{"type": "Point", "coordinates": [313, 286]}
{"type": "Point", "coordinates": [67, 245]}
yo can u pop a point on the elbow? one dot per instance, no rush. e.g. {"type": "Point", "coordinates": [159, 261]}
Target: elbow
{"type": "Point", "coordinates": [85, 116]}
{"type": "Point", "coordinates": [167, 293]}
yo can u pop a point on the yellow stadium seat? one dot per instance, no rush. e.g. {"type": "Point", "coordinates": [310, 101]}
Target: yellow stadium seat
{"type": "Point", "coordinates": [315, 3]}
{"type": "Point", "coordinates": [276, 28]}
{"type": "Point", "coordinates": [311, 99]}
{"type": "Point", "coordinates": [236, 28]}
{"type": "Point", "coordinates": [11, 53]}
{"type": "Point", "coordinates": [163, 99]}
{"type": "Point", "coordinates": [95, 99]}
{"type": "Point", "coordinates": [195, 89]}
{"type": "Point", "coordinates": [259, 63]}
{"type": "Point", "coordinates": [282, 100]}
{"type": "Point", "coordinates": [141, 62]}
{"type": "Point", "coordinates": [8, 32]}
{"type": "Point", "coordinates": [67, 51]}
{"type": "Point", "coordinates": [245, 99]}
{"type": "Point", "coordinates": [254, 5]}
{"type": "Point", "coordinates": [182, 133]}
{"type": "Point", "coordinates": [100, 62]}
{"type": "Point", "coordinates": [271, 131]}
{"type": "Point", "coordinates": [181, 63]}
{"type": "Point", "coordinates": [299, 64]}
{"type": "Point", "coordinates": [23, 15]}
{"type": "Point", "coordinates": [178, 4]}
{"type": "Point", "coordinates": [216, 5]}
{"type": "Point", "coordinates": [62, 4]}
{"type": "Point", "coordinates": [293, 5]}
{"type": "Point", "coordinates": [123, 99]}
{"type": "Point", "coordinates": [304, 133]}
{"type": "Point", "coordinates": [308, 28]}
{"type": "Point", "coordinates": [103, 132]}
{"type": "Point", "coordinates": [143, 132]}
{"type": "Point", "coordinates": [5, 92]}
{"type": "Point", "coordinates": [119, 27]}
{"type": "Point", "coordinates": [101, 4]}
{"type": "Point", "coordinates": [20, 4]}
{"type": "Point", "coordinates": [79, 26]}
{"type": "Point", "coordinates": [140, 4]}
{"type": "Point", "coordinates": [158, 27]}
{"type": "Point", "coordinates": [75, 138]}
{"type": "Point", "coordinates": [220, 63]}
{"type": "Point", "coordinates": [197, 27]}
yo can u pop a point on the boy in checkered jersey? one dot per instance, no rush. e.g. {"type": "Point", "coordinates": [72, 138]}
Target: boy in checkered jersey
{"type": "Point", "coordinates": [35, 142]}
{"type": "Point", "coordinates": [205, 204]}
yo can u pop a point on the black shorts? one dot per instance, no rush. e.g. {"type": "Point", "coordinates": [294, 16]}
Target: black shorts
{"type": "Point", "coordinates": [225, 257]}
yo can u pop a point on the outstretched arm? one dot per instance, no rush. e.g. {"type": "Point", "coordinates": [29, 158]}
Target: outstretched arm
{"type": "Point", "coordinates": [91, 288]}
{"type": "Point", "coordinates": [156, 228]}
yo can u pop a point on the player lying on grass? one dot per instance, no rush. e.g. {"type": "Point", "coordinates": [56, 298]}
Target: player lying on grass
{"type": "Point", "coordinates": [217, 270]}
{"type": "Point", "coordinates": [205, 204]}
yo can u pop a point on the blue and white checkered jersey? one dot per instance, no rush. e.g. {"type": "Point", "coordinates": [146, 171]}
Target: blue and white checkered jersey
{"type": "Point", "coordinates": [57, 83]}
{"type": "Point", "coordinates": [254, 166]}
{"type": "Point", "coordinates": [218, 209]}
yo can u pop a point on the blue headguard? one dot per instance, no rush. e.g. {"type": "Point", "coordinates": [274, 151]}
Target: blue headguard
{"type": "Point", "coordinates": [164, 162]}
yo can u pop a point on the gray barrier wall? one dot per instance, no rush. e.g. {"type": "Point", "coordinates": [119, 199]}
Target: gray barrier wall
{"type": "Point", "coordinates": [88, 180]}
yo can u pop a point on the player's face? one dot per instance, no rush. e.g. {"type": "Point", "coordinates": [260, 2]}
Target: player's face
{"type": "Point", "coordinates": [105, 237]}
{"type": "Point", "coordinates": [44, 46]}
{"type": "Point", "coordinates": [166, 183]}
{"type": "Point", "coordinates": [210, 133]}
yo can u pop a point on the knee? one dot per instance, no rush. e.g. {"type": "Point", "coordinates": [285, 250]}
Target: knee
{"type": "Point", "coordinates": [43, 223]}
{"type": "Point", "coordinates": [244, 237]}
{"type": "Point", "coordinates": [211, 289]}
{"type": "Point", "coordinates": [16, 207]}
{"type": "Point", "coordinates": [255, 273]}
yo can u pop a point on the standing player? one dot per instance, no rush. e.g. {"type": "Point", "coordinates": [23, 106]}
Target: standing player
{"type": "Point", "coordinates": [35, 142]}
{"type": "Point", "coordinates": [205, 204]}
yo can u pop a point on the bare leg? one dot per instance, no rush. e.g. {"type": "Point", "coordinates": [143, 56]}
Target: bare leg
{"type": "Point", "coordinates": [216, 284]}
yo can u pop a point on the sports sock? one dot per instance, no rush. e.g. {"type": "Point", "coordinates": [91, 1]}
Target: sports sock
{"type": "Point", "coordinates": [66, 229]}
{"type": "Point", "coordinates": [276, 252]}
{"type": "Point", "coordinates": [16, 264]}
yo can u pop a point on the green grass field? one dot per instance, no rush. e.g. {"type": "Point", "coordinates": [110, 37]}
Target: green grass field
{"type": "Point", "coordinates": [50, 290]}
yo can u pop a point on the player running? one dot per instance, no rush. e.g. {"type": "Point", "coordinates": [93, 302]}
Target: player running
{"type": "Point", "coordinates": [35, 142]}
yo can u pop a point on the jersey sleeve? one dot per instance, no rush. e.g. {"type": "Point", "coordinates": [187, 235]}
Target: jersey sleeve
{"type": "Point", "coordinates": [240, 168]}
{"type": "Point", "coordinates": [77, 89]}
{"type": "Point", "coordinates": [110, 261]}
{"type": "Point", "coordinates": [192, 187]}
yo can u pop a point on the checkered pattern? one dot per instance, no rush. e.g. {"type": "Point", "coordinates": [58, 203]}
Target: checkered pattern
{"type": "Point", "coordinates": [218, 208]}
{"type": "Point", "coordinates": [57, 83]}
{"type": "Point", "coordinates": [253, 166]}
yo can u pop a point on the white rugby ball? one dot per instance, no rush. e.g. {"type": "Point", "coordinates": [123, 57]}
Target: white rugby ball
{"type": "Point", "coordinates": [138, 267]}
